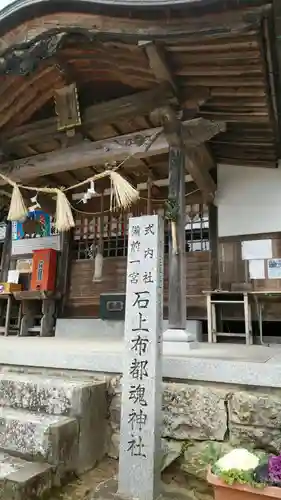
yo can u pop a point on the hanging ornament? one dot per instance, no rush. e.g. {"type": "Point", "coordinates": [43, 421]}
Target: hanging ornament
{"type": "Point", "coordinates": [36, 205]}
{"type": "Point", "coordinates": [171, 214]}
{"type": "Point", "coordinates": [18, 210]}
{"type": "Point", "coordinates": [89, 193]}
{"type": "Point", "coordinates": [98, 267]}
{"type": "Point", "coordinates": [91, 189]}
{"type": "Point", "coordinates": [64, 217]}
{"type": "Point", "coordinates": [97, 277]}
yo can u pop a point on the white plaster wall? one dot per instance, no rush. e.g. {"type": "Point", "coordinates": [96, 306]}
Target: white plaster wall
{"type": "Point", "coordinates": [248, 200]}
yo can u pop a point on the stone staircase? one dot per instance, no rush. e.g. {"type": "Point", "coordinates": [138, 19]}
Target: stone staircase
{"type": "Point", "coordinates": [50, 427]}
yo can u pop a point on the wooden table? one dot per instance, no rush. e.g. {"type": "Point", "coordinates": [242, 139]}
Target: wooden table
{"type": "Point", "coordinates": [30, 302]}
{"type": "Point", "coordinates": [219, 297]}
{"type": "Point", "coordinates": [260, 297]}
{"type": "Point", "coordinates": [247, 298]}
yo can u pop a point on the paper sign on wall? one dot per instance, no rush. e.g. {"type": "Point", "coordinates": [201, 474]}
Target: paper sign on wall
{"type": "Point", "coordinates": [274, 269]}
{"type": "Point", "coordinates": [256, 249]}
{"type": "Point", "coordinates": [13, 276]}
{"type": "Point", "coordinates": [256, 269]}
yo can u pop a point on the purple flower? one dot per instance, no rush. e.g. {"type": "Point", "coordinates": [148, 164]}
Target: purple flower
{"type": "Point", "coordinates": [274, 468]}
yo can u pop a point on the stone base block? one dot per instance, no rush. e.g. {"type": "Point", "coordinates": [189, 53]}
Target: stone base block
{"type": "Point", "coordinates": [108, 490]}
{"type": "Point", "coordinates": [45, 438]}
{"type": "Point", "coordinates": [178, 342]}
{"type": "Point", "coordinates": [76, 398]}
{"type": "Point", "coordinates": [178, 335]}
{"type": "Point", "coordinates": [178, 348]}
{"type": "Point", "coordinates": [21, 480]}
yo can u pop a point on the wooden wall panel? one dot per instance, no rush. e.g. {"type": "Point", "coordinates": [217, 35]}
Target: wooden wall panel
{"type": "Point", "coordinates": [83, 299]}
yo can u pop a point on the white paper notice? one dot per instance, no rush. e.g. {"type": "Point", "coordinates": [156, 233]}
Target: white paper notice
{"type": "Point", "coordinates": [256, 269]}
{"type": "Point", "coordinates": [256, 249]}
{"type": "Point", "coordinates": [13, 276]}
{"type": "Point", "coordinates": [274, 269]}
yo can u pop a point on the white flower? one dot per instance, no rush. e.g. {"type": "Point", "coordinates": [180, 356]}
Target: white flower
{"type": "Point", "coordinates": [238, 459]}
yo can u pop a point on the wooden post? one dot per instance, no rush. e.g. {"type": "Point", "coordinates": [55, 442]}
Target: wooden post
{"type": "Point", "coordinates": [149, 190]}
{"type": "Point", "coordinates": [177, 274]}
{"type": "Point", "coordinates": [101, 236]}
{"type": "Point", "coordinates": [213, 238]}
{"type": "Point", "coordinates": [6, 255]}
{"type": "Point", "coordinates": [64, 270]}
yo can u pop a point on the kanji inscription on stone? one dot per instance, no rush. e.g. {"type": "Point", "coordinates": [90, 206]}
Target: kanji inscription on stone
{"type": "Point", "coordinates": [141, 421]}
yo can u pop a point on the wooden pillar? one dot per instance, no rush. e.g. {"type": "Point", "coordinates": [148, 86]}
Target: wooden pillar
{"type": "Point", "coordinates": [214, 241]}
{"type": "Point", "coordinates": [149, 195]}
{"type": "Point", "coordinates": [64, 269]}
{"type": "Point", "coordinates": [181, 149]}
{"type": "Point", "coordinates": [177, 260]}
{"type": "Point", "coordinates": [214, 250]}
{"type": "Point", "coordinates": [6, 255]}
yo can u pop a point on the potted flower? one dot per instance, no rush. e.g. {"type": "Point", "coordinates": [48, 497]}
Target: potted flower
{"type": "Point", "coordinates": [241, 475]}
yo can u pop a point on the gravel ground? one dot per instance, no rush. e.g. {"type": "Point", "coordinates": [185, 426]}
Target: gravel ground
{"type": "Point", "coordinates": [80, 489]}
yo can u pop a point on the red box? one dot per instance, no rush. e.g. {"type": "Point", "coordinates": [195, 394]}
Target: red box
{"type": "Point", "coordinates": [44, 265]}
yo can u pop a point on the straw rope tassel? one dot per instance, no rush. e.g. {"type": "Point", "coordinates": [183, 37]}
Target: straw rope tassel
{"type": "Point", "coordinates": [17, 210]}
{"type": "Point", "coordinates": [124, 193]}
{"type": "Point", "coordinates": [64, 217]}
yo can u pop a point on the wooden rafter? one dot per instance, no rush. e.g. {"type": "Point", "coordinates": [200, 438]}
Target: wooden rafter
{"type": "Point", "coordinates": [158, 64]}
{"type": "Point", "coordinates": [87, 153]}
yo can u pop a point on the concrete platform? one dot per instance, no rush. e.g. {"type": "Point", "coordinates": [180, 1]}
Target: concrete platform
{"type": "Point", "coordinates": [21, 480]}
{"type": "Point", "coordinates": [79, 399]}
{"type": "Point", "coordinates": [45, 438]}
{"type": "Point", "coordinates": [226, 363]}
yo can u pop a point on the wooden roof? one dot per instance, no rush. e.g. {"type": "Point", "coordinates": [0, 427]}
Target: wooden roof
{"type": "Point", "coordinates": [218, 66]}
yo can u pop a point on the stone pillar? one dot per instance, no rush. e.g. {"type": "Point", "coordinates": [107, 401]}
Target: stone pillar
{"type": "Point", "coordinates": [141, 413]}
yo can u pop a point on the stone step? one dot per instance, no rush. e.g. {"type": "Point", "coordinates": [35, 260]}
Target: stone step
{"type": "Point", "coordinates": [38, 393]}
{"type": "Point", "coordinates": [22, 480]}
{"type": "Point", "coordinates": [84, 400]}
{"type": "Point", "coordinates": [45, 438]}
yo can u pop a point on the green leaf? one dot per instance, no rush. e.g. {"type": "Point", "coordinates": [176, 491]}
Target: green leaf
{"type": "Point", "coordinates": [233, 476]}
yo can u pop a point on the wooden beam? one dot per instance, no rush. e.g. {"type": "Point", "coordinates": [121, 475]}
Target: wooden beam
{"type": "Point", "coordinates": [198, 159]}
{"type": "Point", "coordinates": [101, 114]}
{"type": "Point", "coordinates": [198, 163]}
{"type": "Point", "coordinates": [158, 64]}
{"type": "Point", "coordinates": [90, 153]}
{"type": "Point", "coordinates": [98, 114]}
{"type": "Point", "coordinates": [201, 130]}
